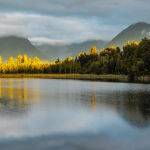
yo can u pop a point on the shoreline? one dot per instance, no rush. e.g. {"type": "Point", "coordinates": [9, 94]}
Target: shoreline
{"type": "Point", "coordinates": [89, 77]}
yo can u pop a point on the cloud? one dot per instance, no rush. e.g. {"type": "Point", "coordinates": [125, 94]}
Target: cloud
{"type": "Point", "coordinates": [60, 7]}
{"type": "Point", "coordinates": [72, 20]}
{"type": "Point", "coordinates": [53, 28]}
{"type": "Point", "coordinates": [44, 40]}
{"type": "Point", "coordinates": [98, 8]}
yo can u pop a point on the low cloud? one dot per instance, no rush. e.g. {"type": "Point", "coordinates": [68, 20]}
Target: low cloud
{"type": "Point", "coordinates": [53, 28]}
{"type": "Point", "coordinates": [72, 20]}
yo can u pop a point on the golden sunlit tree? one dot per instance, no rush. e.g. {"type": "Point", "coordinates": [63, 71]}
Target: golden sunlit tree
{"type": "Point", "coordinates": [133, 60]}
{"type": "Point", "coordinates": [93, 51]}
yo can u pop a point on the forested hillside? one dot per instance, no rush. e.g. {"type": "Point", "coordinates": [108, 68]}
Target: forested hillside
{"type": "Point", "coordinates": [133, 61]}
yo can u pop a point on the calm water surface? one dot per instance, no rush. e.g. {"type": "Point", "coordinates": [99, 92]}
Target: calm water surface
{"type": "Point", "coordinates": [46, 114]}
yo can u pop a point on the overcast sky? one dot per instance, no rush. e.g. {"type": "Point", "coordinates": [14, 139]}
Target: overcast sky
{"type": "Point", "coordinates": [58, 21]}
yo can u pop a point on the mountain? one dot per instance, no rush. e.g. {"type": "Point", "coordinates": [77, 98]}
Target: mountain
{"type": "Point", "coordinates": [13, 45]}
{"type": "Point", "coordinates": [53, 51]}
{"type": "Point", "coordinates": [84, 46]}
{"type": "Point", "coordinates": [61, 51]}
{"type": "Point", "coordinates": [135, 31]}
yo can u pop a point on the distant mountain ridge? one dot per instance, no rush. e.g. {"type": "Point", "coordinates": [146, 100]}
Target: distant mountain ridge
{"type": "Point", "coordinates": [55, 51]}
{"type": "Point", "coordinates": [135, 31]}
{"type": "Point", "coordinates": [13, 45]}
{"type": "Point", "coordinates": [84, 46]}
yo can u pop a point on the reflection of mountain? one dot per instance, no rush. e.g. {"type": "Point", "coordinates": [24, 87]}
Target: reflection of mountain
{"type": "Point", "coordinates": [132, 107]}
{"type": "Point", "coordinates": [15, 96]}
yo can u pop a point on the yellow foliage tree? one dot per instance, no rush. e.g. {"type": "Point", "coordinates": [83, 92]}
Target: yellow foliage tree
{"type": "Point", "coordinates": [93, 51]}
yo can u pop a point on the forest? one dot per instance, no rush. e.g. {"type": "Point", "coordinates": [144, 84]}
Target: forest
{"type": "Point", "coordinates": [132, 60]}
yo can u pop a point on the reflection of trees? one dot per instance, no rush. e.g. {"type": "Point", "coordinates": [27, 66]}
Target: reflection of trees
{"type": "Point", "coordinates": [15, 96]}
{"type": "Point", "coordinates": [12, 106]}
{"type": "Point", "coordinates": [93, 97]}
{"type": "Point", "coordinates": [93, 101]}
{"type": "Point", "coordinates": [136, 109]}
{"type": "Point", "coordinates": [133, 107]}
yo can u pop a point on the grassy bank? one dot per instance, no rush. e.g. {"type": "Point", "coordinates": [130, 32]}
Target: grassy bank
{"type": "Point", "coordinates": [92, 77]}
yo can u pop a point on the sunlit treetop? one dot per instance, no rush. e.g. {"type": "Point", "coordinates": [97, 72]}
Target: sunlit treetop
{"type": "Point", "coordinates": [36, 60]}
{"type": "Point", "coordinates": [19, 59]}
{"type": "Point", "coordinates": [25, 58]}
{"type": "Point", "coordinates": [81, 54]}
{"type": "Point", "coordinates": [69, 59]}
{"type": "Point", "coordinates": [1, 60]}
{"type": "Point", "coordinates": [52, 62]}
{"type": "Point", "coordinates": [93, 51]}
{"type": "Point", "coordinates": [11, 60]}
{"type": "Point", "coordinates": [110, 50]}
{"type": "Point", "coordinates": [132, 43]}
{"type": "Point", "coordinates": [113, 46]}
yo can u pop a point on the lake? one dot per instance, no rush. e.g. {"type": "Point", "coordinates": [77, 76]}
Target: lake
{"type": "Point", "coordinates": [49, 114]}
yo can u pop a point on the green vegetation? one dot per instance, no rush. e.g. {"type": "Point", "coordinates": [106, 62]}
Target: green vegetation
{"type": "Point", "coordinates": [133, 61]}
{"type": "Point", "coordinates": [90, 77]}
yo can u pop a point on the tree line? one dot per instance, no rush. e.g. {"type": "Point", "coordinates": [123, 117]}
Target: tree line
{"type": "Point", "coordinates": [132, 60]}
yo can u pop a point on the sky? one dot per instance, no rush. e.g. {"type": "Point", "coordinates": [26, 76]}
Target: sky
{"type": "Point", "coordinates": [67, 21]}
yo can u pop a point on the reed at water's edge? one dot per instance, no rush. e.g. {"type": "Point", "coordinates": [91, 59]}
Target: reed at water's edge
{"type": "Point", "coordinates": [92, 77]}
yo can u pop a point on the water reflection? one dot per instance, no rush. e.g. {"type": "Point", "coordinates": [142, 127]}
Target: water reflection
{"type": "Point", "coordinates": [16, 95]}
{"type": "Point", "coordinates": [93, 102]}
{"type": "Point", "coordinates": [132, 107]}
{"type": "Point", "coordinates": [49, 101]}
{"type": "Point", "coordinates": [136, 109]}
